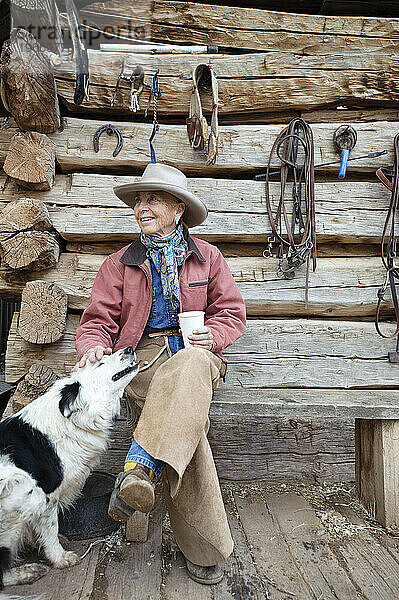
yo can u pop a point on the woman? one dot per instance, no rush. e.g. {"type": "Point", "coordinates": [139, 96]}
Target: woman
{"type": "Point", "coordinates": [135, 301]}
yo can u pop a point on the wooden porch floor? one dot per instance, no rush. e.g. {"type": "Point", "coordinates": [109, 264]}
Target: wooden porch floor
{"type": "Point", "coordinates": [292, 542]}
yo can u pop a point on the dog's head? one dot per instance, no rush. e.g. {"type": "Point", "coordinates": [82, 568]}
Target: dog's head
{"type": "Point", "coordinates": [96, 389]}
{"type": "Point", "coordinates": [20, 497]}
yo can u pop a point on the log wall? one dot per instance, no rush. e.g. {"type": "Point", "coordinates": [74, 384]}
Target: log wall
{"type": "Point", "coordinates": [330, 70]}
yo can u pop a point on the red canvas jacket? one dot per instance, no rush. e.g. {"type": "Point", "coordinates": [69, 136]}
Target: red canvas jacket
{"type": "Point", "coordinates": [121, 298]}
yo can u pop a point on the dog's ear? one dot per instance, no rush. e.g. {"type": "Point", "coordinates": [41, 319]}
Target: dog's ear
{"type": "Point", "coordinates": [69, 393]}
{"type": "Point", "coordinates": [6, 486]}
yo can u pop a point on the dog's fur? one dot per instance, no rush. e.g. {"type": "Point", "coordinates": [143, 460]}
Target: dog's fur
{"type": "Point", "coordinates": [47, 451]}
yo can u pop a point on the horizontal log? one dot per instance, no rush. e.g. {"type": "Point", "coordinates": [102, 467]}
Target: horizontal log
{"type": "Point", "coordinates": [191, 23]}
{"type": "Point", "coordinates": [230, 250]}
{"type": "Point", "coordinates": [271, 354]}
{"type": "Point", "coordinates": [345, 115]}
{"type": "Point", "coordinates": [83, 207]}
{"type": "Point", "coordinates": [344, 287]}
{"type": "Point", "coordinates": [242, 148]}
{"type": "Point", "coordinates": [261, 82]}
{"type": "Point", "coordinates": [271, 449]}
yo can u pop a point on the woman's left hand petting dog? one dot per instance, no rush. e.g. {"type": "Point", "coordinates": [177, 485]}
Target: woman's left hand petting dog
{"type": "Point", "coordinates": [47, 451]}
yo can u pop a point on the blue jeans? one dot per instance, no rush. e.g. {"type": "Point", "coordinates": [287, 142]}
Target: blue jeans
{"type": "Point", "coordinates": [139, 455]}
{"type": "Point", "coordinates": [163, 315]}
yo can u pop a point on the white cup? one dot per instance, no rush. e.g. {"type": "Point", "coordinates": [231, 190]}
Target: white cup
{"type": "Point", "coordinates": [189, 321]}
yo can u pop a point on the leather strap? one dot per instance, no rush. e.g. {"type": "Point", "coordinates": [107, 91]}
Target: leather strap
{"type": "Point", "coordinates": [389, 243]}
{"type": "Point", "coordinates": [164, 332]}
{"type": "Point", "coordinates": [197, 126]}
{"type": "Point", "coordinates": [386, 177]}
{"type": "Point", "coordinates": [293, 143]}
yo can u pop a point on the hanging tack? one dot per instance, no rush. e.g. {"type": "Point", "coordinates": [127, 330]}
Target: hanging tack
{"type": "Point", "coordinates": [345, 138]}
{"type": "Point", "coordinates": [156, 93]}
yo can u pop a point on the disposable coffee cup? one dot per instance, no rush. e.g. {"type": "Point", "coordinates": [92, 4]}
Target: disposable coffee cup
{"type": "Point", "coordinates": [189, 321]}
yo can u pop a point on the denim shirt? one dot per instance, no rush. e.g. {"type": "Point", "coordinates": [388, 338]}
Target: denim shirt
{"type": "Point", "coordinates": [163, 315]}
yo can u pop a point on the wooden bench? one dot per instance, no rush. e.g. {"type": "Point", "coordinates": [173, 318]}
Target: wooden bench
{"type": "Point", "coordinates": [299, 369]}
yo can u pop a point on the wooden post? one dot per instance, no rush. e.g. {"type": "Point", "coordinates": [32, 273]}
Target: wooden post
{"type": "Point", "coordinates": [377, 468]}
{"type": "Point", "coordinates": [137, 527]}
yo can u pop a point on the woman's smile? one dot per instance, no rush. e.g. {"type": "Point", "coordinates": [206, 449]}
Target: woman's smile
{"type": "Point", "coordinates": [157, 213]}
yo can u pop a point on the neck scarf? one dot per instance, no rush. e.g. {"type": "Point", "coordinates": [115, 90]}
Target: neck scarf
{"type": "Point", "coordinates": [167, 253]}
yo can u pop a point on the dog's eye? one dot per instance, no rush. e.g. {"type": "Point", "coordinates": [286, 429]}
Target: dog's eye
{"type": "Point", "coordinates": [30, 492]}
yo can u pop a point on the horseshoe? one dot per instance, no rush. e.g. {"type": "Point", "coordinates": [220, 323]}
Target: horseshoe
{"type": "Point", "coordinates": [110, 129]}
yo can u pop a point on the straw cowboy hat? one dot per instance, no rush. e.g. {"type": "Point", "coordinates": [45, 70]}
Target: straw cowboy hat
{"type": "Point", "coordinates": [167, 179]}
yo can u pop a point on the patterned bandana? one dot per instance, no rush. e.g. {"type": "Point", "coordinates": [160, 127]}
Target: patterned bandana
{"type": "Point", "coordinates": [167, 253]}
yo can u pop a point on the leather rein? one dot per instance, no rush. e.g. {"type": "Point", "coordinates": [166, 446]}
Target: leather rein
{"type": "Point", "coordinates": [389, 242]}
{"type": "Point", "coordinates": [295, 148]}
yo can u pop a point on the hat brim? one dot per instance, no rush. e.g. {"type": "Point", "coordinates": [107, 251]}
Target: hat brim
{"type": "Point", "coordinates": [195, 213]}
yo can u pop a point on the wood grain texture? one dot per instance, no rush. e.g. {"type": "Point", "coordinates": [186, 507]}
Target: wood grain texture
{"type": "Point", "coordinates": [377, 473]}
{"type": "Point", "coordinates": [278, 363]}
{"type": "Point", "coordinates": [308, 543]}
{"type": "Point", "coordinates": [134, 571]}
{"type": "Point", "coordinates": [31, 161]}
{"type": "Point", "coordinates": [242, 148]}
{"type": "Point", "coordinates": [83, 207]}
{"type": "Point", "coordinates": [270, 549]}
{"type": "Point", "coordinates": [276, 448]}
{"type": "Point", "coordinates": [344, 287]}
{"type": "Point", "coordinates": [191, 23]}
{"type": "Point", "coordinates": [76, 581]}
{"type": "Point", "coordinates": [248, 83]}
{"type": "Point", "coordinates": [43, 312]}
{"type": "Point", "coordinates": [28, 86]}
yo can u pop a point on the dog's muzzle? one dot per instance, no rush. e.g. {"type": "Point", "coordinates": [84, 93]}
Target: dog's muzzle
{"type": "Point", "coordinates": [133, 368]}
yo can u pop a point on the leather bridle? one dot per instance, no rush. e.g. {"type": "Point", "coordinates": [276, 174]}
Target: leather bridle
{"type": "Point", "coordinates": [295, 141]}
{"type": "Point", "coordinates": [389, 243]}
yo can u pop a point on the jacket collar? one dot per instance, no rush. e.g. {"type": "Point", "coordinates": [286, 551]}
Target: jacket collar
{"type": "Point", "coordinates": [136, 253]}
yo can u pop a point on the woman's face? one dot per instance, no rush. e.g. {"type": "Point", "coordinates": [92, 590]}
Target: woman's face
{"type": "Point", "coordinates": [156, 212]}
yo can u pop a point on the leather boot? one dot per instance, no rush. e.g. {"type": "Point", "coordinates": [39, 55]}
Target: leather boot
{"type": "Point", "coordinates": [205, 575]}
{"type": "Point", "coordinates": [137, 489]}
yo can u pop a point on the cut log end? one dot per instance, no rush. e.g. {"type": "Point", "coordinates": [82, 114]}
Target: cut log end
{"type": "Point", "coordinates": [42, 318]}
{"type": "Point", "coordinates": [33, 250]}
{"type": "Point", "coordinates": [28, 84]}
{"type": "Point", "coordinates": [35, 383]}
{"type": "Point", "coordinates": [31, 160]}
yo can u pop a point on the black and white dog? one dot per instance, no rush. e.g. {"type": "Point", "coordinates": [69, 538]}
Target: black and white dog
{"type": "Point", "coordinates": [47, 451]}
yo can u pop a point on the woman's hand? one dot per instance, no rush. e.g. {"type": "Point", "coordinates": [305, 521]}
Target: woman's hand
{"type": "Point", "coordinates": [201, 337]}
{"type": "Point", "coordinates": [92, 355]}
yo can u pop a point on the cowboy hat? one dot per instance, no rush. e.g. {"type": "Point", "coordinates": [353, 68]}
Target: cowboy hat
{"type": "Point", "coordinates": [167, 179]}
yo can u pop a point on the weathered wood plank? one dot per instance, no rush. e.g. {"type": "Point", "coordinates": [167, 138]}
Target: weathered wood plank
{"type": "Point", "coordinates": [242, 575]}
{"type": "Point", "coordinates": [345, 287]}
{"type": "Point", "coordinates": [377, 473]}
{"type": "Point", "coordinates": [348, 212]}
{"type": "Point", "coordinates": [308, 543]}
{"type": "Point", "coordinates": [235, 249]}
{"type": "Point", "coordinates": [275, 448]}
{"type": "Point", "coordinates": [270, 549]}
{"type": "Point", "coordinates": [271, 354]}
{"type": "Point", "coordinates": [75, 152]}
{"type": "Point", "coordinates": [373, 569]}
{"type": "Point", "coordinates": [193, 23]}
{"type": "Point", "coordinates": [76, 581]}
{"type": "Point", "coordinates": [271, 82]}
{"type": "Point", "coordinates": [134, 569]}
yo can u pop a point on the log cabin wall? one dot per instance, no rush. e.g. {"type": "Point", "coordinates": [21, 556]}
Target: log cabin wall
{"type": "Point", "coordinates": [270, 67]}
